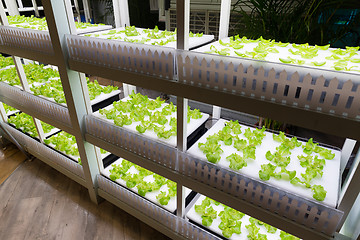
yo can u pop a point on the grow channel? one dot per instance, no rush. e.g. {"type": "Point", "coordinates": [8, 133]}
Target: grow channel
{"type": "Point", "coordinates": [301, 167]}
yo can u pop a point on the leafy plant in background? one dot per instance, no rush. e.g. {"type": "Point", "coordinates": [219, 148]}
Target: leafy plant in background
{"type": "Point", "coordinates": [5, 61]}
{"type": "Point", "coordinates": [40, 23]}
{"type": "Point", "coordinates": [53, 89]}
{"type": "Point", "coordinates": [35, 73]}
{"type": "Point", "coordinates": [8, 108]}
{"type": "Point", "coordinates": [147, 114]}
{"type": "Point", "coordinates": [298, 21]}
{"type": "Point", "coordinates": [26, 123]}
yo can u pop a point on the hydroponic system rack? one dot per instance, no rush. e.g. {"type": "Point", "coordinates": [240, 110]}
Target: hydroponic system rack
{"type": "Point", "coordinates": [315, 98]}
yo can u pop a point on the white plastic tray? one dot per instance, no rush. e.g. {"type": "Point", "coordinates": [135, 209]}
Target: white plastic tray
{"type": "Point", "coordinates": [283, 53]}
{"type": "Point", "coordinates": [93, 29]}
{"type": "Point", "coordinates": [78, 30]}
{"type": "Point", "coordinates": [12, 112]}
{"type": "Point", "coordinates": [171, 206]}
{"type": "Point", "coordinates": [53, 131]}
{"type": "Point", "coordinates": [100, 98]}
{"type": "Point", "coordinates": [194, 216]}
{"type": "Point", "coordinates": [191, 127]}
{"type": "Point", "coordinates": [193, 41]}
{"type": "Point", "coordinates": [330, 179]}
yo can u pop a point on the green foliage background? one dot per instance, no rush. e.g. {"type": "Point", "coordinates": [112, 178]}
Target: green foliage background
{"type": "Point", "coordinates": [298, 21]}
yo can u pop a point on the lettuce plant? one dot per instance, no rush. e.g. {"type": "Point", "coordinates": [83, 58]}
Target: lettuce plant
{"type": "Point", "coordinates": [230, 221]}
{"type": "Point", "coordinates": [5, 61]}
{"type": "Point", "coordinates": [313, 161]}
{"type": "Point", "coordinates": [8, 108]}
{"type": "Point", "coordinates": [207, 212]}
{"type": "Point", "coordinates": [64, 142]}
{"type": "Point", "coordinates": [40, 23]}
{"type": "Point", "coordinates": [140, 109]}
{"type": "Point", "coordinates": [26, 122]}
{"type": "Point", "coordinates": [229, 135]}
{"type": "Point", "coordinates": [53, 89]}
{"type": "Point", "coordinates": [121, 171]}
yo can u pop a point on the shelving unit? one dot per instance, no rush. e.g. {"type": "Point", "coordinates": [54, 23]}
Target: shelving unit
{"type": "Point", "coordinates": [238, 84]}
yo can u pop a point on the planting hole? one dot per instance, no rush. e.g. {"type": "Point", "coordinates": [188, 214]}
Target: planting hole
{"type": "Point", "coordinates": [297, 93]}
{"type": "Point", "coordinates": [336, 99]}
{"type": "Point", "coordinates": [253, 87]}
{"type": "Point", "coordinates": [322, 97]}
{"type": "Point", "coordinates": [310, 94]}
{"type": "Point", "coordinates": [286, 90]}
{"type": "Point", "coordinates": [264, 86]}
{"type": "Point", "coordinates": [349, 102]}
{"type": "Point", "coordinates": [275, 88]}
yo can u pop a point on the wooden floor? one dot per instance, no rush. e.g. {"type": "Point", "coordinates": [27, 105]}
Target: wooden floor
{"type": "Point", "coordinates": [37, 202]}
{"type": "Point", "coordinates": [10, 159]}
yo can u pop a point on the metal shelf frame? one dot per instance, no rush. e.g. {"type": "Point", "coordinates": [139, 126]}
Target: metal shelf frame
{"type": "Point", "coordinates": [176, 72]}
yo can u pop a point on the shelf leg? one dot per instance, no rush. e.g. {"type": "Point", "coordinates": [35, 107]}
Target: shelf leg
{"type": "Point", "coordinates": [180, 200]}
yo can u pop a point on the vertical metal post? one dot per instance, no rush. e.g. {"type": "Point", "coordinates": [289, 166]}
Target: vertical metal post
{"type": "Point", "coordinates": [224, 18]}
{"type": "Point", "coordinates": [86, 6]}
{"type": "Point", "coordinates": [182, 22]}
{"type": "Point", "coordinates": [4, 21]}
{"type": "Point", "coordinates": [70, 16]}
{"type": "Point", "coordinates": [76, 4]}
{"type": "Point", "coordinates": [346, 151]}
{"type": "Point", "coordinates": [124, 12]}
{"type": "Point", "coordinates": [207, 20]}
{"type": "Point", "coordinates": [20, 4]}
{"type": "Point", "coordinates": [350, 189]}
{"type": "Point", "coordinates": [216, 112]}
{"type": "Point", "coordinates": [36, 9]}
{"type": "Point", "coordinates": [3, 113]}
{"type": "Point", "coordinates": [39, 129]}
{"type": "Point", "coordinates": [182, 42]}
{"type": "Point", "coordinates": [182, 105]}
{"type": "Point", "coordinates": [116, 7]}
{"type": "Point", "coordinates": [223, 33]}
{"type": "Point", "coordinates": [74, 85]}
{"type": "Point", "coordinates": [122, 19]}
{"type": "Point", "coordinates": [167, 20]}
{"type": "Point", "coordinates": [351, 227]}
{"type": "Point", "coordinates": [21, 73]}
{"type": "Point", "coordinates": [3, 17]}
{"type": "Point", "coordinates": [12, 7]}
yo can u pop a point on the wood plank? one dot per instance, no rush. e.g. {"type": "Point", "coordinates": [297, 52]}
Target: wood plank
{"type": "Point", "coordinates": [38, 202]}
{"type": "Point", "coordinates": [10, 159]}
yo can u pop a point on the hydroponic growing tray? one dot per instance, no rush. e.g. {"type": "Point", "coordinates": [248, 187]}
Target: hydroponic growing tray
{"type": "Point", "coordinates": [100, 101]}
{"type": "Point", "coordinates": [191, 127]}
{"type": "Point", "coordinates": [151, 196]}
{"type": "Point", "coordinates": [214, 227]}
{"type": "Point", "coordinates": [43, 26]}
{"type": "Point", "coordinates": [331, 172]}
{"type": "Point", "coordinates": [298, 54]}
{"type": "Point", "coordinates": [193, 41]}
{"type": "Point", "coordinates": [74, 158]}
{"type": "Point", "coordinates": [52, 132]}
